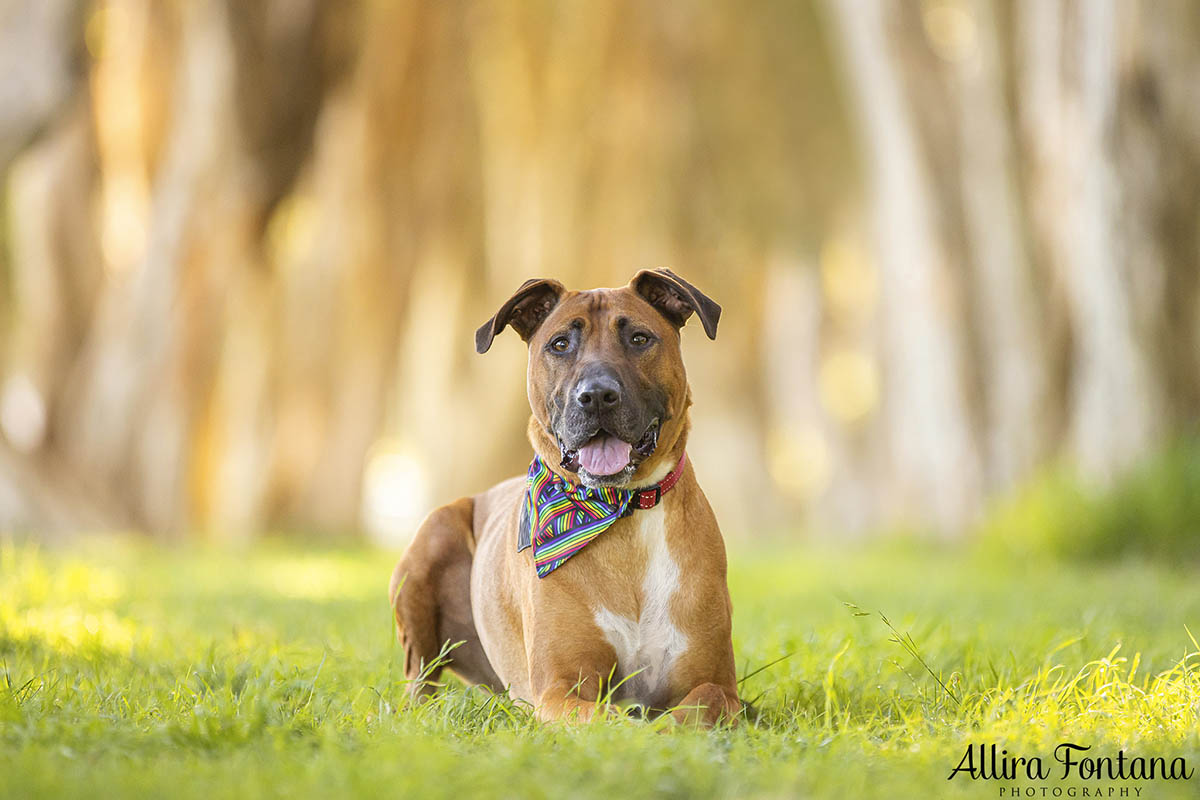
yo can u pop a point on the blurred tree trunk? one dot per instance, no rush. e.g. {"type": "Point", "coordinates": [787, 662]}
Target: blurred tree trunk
{"type": "Point", "coordinates": [288, 59]}
{"type": "Point", "coordinates": [151, 351]}
{"type": "Point", "coordinates": [154, 371]}
{"type": "Point", "coordinates": [41, 59]}
{"type": "Point", "coordinates": [56, 270]}
{"type": "Point", "coordinates": [1069, 93]}
{"type": "Point", "coordinates": [362, 253]}
{"type": "Point", "coordinates": [1013, 366]}
{"type": "Point", "coordinates": [51, 261]}
{"type": "Point", "coordinates": [247, 244]}
{"type": "Point", "coordinates": [1157, 144]}
{"type": "Point", "coordinates": [934, 471]}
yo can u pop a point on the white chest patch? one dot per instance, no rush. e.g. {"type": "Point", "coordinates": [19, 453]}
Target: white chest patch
{"type": "Point", "coordinates": [649, 644]}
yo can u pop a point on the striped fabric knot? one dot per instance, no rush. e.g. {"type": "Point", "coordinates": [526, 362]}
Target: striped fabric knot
{"type": "Point", "coordinates": [559, 518]}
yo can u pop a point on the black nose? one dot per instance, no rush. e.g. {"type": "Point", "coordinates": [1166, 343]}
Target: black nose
{"type": "Point", "coordinates": [598, 393]}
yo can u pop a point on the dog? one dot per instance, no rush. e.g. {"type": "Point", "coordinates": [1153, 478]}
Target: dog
{"type": "Point", "coordinates": [600, 576]}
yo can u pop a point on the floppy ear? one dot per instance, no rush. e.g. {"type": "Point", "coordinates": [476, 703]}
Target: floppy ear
{"type": "Point", "coordinates": [525, 311]}
{"type": "Point", "coordinates": [676, 299]}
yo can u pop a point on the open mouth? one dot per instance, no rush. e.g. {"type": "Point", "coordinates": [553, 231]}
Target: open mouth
{"type": "Point", "coordinates": [607, 454]}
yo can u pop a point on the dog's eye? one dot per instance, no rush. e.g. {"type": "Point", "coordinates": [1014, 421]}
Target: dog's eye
{"type": "Point", "coordinates": [560, 344]}
{"type": "Point", "coordinates": [639, 340]}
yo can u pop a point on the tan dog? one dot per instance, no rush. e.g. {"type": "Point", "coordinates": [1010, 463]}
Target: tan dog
{"type": "Point", "coordinates": [643, 605]}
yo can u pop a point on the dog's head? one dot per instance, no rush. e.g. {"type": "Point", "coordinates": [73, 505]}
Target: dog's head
{"type": "Point", "coordinates": [606, 381]}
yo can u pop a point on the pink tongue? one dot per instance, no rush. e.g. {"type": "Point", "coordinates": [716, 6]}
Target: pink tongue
{"type": "Point", "coordinates": [604, 455]}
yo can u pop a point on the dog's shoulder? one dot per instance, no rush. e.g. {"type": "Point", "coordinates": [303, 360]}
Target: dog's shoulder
{"type": "Point", "coordinates": [499, 505]}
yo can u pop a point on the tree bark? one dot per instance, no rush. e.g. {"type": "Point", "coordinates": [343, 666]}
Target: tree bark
{"type": "Point", "coordinates": [1013, 365]}
{"type": "Point", "coordinates": [934, 470]}
{"type": "Point", "coordinates": [1069, 105]}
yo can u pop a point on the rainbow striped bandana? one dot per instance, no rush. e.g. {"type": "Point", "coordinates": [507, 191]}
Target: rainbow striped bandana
{"type": "Point", "coordinates": [558, 519]}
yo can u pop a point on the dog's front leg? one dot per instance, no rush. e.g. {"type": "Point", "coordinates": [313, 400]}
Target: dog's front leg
{"type": "Point", "coordinates": [708, 704]}
{"type": "Point", "coordinates": [570, 675]}
{"type": "Point", "coordinates": [567, 701]}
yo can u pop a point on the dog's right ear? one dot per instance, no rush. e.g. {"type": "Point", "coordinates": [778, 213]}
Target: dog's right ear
{"type": "Point", "coordinates": [524, 311]}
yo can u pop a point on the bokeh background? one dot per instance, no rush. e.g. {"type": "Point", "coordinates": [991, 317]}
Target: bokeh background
{"type": "Point", "coordinates": [245, 244]}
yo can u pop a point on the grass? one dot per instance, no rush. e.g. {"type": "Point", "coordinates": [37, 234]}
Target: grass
{"type": "Point", "coordinates": [127, 670]}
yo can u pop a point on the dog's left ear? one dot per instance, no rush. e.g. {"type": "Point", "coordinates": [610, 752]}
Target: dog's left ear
{"type": "Point", "coordinates": [676, 299]}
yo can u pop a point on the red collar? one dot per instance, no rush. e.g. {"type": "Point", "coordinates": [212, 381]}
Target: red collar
{"type": "Point", "coordinates": [649, 498]}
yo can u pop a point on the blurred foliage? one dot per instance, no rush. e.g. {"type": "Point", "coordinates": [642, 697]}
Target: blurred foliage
{"type": "Point", "coordinates": [1152, 511]}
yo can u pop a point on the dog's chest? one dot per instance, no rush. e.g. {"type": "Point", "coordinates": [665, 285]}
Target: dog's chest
{"type": "Point", "coordinates": [648, 646]}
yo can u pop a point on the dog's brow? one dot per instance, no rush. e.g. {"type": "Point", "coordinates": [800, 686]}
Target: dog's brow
{"type": "Point", "coordinates": [596, 301]}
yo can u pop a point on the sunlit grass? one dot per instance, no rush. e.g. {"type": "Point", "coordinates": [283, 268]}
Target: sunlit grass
{"type": "Point", "coordinates": [131, 670]}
